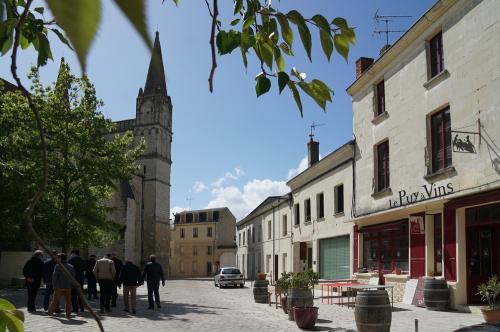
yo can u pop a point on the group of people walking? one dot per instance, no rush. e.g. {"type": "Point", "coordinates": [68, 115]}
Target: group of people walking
{"type": "Point", "coordinates": [109, 272]}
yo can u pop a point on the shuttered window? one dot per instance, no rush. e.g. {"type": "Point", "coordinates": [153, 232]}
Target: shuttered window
{"type": "Point", "coordinates": [383, 166]}
{"type": "Point", "coordinates": [441, 140]}
{"type": "Point", "coordinates": [334, 259]}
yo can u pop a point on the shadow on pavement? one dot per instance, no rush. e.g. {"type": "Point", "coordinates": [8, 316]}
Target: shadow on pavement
{"type": "Point", "coordinates": [480, 328]}
{"type": "Point", "coordinates": [71, 321]}
{"type": "Point", "coordinates": [337, 329]}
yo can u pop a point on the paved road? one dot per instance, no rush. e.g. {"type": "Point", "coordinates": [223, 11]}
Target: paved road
{"type": "Point", "coordinates": [196, 305]}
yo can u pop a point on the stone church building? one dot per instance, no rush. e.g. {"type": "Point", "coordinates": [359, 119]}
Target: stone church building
{"type": "Point", "coordinates": [142, 205]}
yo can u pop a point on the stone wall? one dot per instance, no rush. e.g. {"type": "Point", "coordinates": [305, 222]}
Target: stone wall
{"type": "Point", "coordinates": [399, 284]}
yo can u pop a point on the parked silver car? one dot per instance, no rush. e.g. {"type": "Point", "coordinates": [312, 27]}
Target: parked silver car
{"type": "Point", "coordinates": [229, 276]}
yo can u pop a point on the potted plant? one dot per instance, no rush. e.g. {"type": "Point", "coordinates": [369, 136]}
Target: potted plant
{"type": "Point", "coordinates": [261, 275]}
{"type": "Point", "coordinates": [283, 283]}
{"type": "Point", "coordinates": [300, 299]}
{"type": "Point", "coordinates": [489, 292]}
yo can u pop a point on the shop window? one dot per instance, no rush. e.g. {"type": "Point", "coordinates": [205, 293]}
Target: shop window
{"type": "Point", "coordinates": [339, 199]}
{"type": "Point", "coordinates": [441, 140]}
{"type": "Point", "coordinates": [307, 210]}
{"type": "Point", "coordinates": [436, 56]}
{"type": "Point", "coordinates": [483, 215]}
{"type": "Point", "coordinates": [438, 245]}
{"type": "Point", "coordinates": [269, 230]}
{"type": "Point", "coordinates": [285, 225]}
{"type": "Point", "coordinates": [182, 234]}
{"type": "Point", "coordinates": [195, 232]}
{"type": "Point", "coordinates": [386, 247]}
{"type": "Point", "coordinates": [380, 98]}
{"type": "Point", "coordinates": [320, 205]}
{"type": "Point", "coordinates": [296, 210]}
{"type": "Point", "coordinates": [382, 166]}
{"type": "Point", "coordinates": [209, 232]}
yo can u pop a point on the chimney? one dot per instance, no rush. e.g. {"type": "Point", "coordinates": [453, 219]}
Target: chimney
{"type": "Point", "coordinates": [312, 152]}
{"type": "Point", "coordinates": [362, 64]}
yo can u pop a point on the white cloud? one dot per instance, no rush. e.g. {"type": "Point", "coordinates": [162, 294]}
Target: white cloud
{"type": "Point", "coordinates": [199, 186]}
{"type": "Point", "coordinates": [238, 172]}
{"type": "Point", "coordinates": [231, 176]}
{"type": "Point", "coordinates": [300, 168]}
{"type": "Point", "coordinates": [241, 202]}
{"type": "Point", "coordinates": [219, 182]}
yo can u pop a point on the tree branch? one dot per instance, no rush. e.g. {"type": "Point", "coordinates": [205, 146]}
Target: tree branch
{"type": "Point", "coordinates": [28, 212]}
{"type": "Point", "coordinates": [212, 45]}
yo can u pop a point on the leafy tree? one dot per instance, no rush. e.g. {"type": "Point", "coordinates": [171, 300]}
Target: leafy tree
{"type": "Point", "coordinates": [85, 162]}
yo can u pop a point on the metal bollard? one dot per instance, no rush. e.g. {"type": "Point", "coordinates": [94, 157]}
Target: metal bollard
{"type": "Point", "coordinates": [416, 325]}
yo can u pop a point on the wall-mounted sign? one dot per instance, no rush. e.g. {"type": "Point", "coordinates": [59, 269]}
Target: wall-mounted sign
{"type": "Point", "coordinates": [462, 142]}
{"type": "Point", "coordinates": [417, 225]}
{"type": "Point", "coordinates": [429, 191]}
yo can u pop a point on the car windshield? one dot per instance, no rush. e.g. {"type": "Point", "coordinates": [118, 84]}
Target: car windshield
{"type": "Point", "coordinates": [230, 271]}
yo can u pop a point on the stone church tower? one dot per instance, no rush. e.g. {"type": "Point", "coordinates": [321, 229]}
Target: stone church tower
{"type": "Point", "coordinates": [142, 205]}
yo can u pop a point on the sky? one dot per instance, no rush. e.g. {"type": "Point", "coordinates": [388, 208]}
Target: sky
{"type": "Point", "coordinates": [230, 148]}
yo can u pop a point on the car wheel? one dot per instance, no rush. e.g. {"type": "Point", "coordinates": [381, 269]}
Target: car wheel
{"type": "Point", "coordinates": [215, 284]}
{"type": "Point", "coordinates": [241, 285]}
{"type": "Point", "coordinates": [221, 286]}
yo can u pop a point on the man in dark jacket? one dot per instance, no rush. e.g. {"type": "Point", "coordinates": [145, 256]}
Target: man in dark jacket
{"type": "Point", "coordinates": [33, 271]}
{"type": "Point", "coordinates": [79, 266]}
{"type": "Point", "coordinates": [62, 286]}
{"type": "Point", "coordinates": [153, 273]}
{"type": "Point", "coordinates": [130, 277]}
{"type": "Point", "coordinates": [118, 269]}
{"type": "Point", "coordinates": [91, 279]}
{"type": "Point", "coordinates": [48, 270]}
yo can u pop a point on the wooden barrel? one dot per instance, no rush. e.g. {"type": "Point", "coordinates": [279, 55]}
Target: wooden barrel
{"type": "Point", "coordinates": [298, 298]}
{"type": "Point", "coordinates": [436, 294]}
{"type": "Point", "coordinates": [373, 311]}
{"type": "Point", "coordinates": [260, 294]}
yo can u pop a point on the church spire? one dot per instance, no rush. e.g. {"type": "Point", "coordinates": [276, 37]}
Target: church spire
{"type": "Point", "coordinates": [155, 82]}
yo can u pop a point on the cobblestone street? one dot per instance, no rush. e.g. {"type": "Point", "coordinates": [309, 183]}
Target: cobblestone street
{"type": "Point", "coordinates": [196, 305]}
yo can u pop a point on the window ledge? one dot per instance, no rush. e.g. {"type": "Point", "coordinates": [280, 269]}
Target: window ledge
{"type": "Point", "coordinates": [379, 118]}
{"type": "Point", "coordinates": [308, 222]}
{"type": "Point", "coordinates": [382, 193]}
{"type": "Point", "coordinates": [320, 219]}
{"type": "Point", "coordinates": [441, 174]}
{"type": "Point", "coordinates": [339, 214]}
{"type": "Point", "coordinates": [432, 82]}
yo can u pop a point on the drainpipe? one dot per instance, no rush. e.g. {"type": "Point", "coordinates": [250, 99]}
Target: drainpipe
{"type": "Point", "coordinates": [143, 177]}
{"type": "Point", "coordinates": [273, 259]}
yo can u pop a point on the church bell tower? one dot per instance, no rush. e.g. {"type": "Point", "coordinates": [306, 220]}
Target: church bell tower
{"type": "Point", "coordinates": [154, 124]}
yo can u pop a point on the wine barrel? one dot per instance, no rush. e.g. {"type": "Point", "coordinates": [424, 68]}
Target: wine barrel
{"type": "Point", "coordinates": [436, 294]}
{"type": "Point", "coordinates": [260, 293]}
{"type": "Point", "coordinates": [298, 298]}
{"type": "Point", "coordinates": [373, 311]}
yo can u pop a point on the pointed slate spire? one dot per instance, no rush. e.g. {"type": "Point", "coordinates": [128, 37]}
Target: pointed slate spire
{"type": "Point", "coordinates": [155, 82]}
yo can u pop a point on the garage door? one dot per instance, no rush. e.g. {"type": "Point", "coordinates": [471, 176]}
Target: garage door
{"type": "Point", "coordinates": [334, 258]}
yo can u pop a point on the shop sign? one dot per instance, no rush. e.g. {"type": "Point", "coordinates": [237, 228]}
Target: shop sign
{"type": "Point", "coordinates": [429, 191]}
{"type": "Point", "coordinates": [417, 225]}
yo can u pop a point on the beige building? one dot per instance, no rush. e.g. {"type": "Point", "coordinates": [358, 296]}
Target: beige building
{"type": "Point", "coordinates": [201, 242]}
{"type": "Point", "coordinates": [426, 118]}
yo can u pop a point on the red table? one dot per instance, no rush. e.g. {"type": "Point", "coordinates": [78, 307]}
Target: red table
{"type": "Point", "coordinates": [339, 286]}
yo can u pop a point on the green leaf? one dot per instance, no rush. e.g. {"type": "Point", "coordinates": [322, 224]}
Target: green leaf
{"type": "Point", "coordinates": [79, 19]}
{"type": "Point", "coordinates": [350, 35]}
{"type": "Point", "coordinates": [247, 41]}
{"type": "Point", "coordinates": [286, 49]}
{"type": "Point", "coordinates": [278, 58]}
{"type": "Point", "coordinates": [176, 2]}
{"type": "Point", "coordinates": [322, 22]}
{"type": "Point", "coordinates": [238, 5]}
{"type": "Point", "coordinates": [244, 56]}
{"type": "Point", "coordinates": [296, 96]}
{"type": "Point", "coordinates": [341, 43]}
{"type": "Point", "coordinates": [263, 85]}
{"type": "Point", "coordinates": [266, 52]}
{"type": "Point", "coordinates": [250, 10]}
{"type": "Point", "coordinates": [341, 23]}
{"type": "Point", "coordinates": [234, 22]}
{"type": "Point", "coordinates": [326, 43]}
{"type": "Point", "coordinates": [283, 80]}
{"type": "Point", "coordinates": [43, 47]}
{"type": "Point", "coordinates": [248, 22]}
{"type": "Point", "coordinates": [6, 305]}
{"type": "Point", "coordinates": [135, 12]}
{"type": "Point", "coordinates": [227, 41]}
{"type": "Point", "coordinates": [12, 322]}
{"type": "Point", "coordinates": [61, 37]}
{"type": "Point", "coordinates": [286, 31]}
{"type": "Point", "coordinates": [317, 92]}
{"type": "Point", "coordinates": [305, 34]}
{"type": "Point", "coordinates": [322, 89]}
{"type": "Point", "coordinates": [23, 41]}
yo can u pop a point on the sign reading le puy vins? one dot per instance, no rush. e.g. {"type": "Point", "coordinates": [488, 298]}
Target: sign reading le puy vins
{"type": "Point", "coordinates": [429, 191]}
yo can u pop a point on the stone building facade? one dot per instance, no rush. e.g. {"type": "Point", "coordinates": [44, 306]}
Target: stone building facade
{"type": "Point", "coordinates": [201, 242]}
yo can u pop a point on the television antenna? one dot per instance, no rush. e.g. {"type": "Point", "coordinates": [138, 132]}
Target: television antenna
{"type": "Point", "coordinates": [313, 127]}
{"type": "Point", "coordinates": [189, 199]}
{"type": "Point", "coordinates": [386, 19]}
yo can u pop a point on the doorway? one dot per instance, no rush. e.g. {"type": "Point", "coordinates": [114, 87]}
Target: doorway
{"type": "Point", "coordinates": [483, 247]}
{"type": "Point", "coordinates": [276, 272]}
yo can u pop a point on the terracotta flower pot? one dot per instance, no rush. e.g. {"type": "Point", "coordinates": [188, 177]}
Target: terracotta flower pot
{"type": "Point", "coordinates": [261, 276]}
{"type": "Point", "coordinates": [305, 317]}
{"type": "Point", "coordinates": [491, 316]}
{"type": "Point", "coordinates": [283, 304]}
